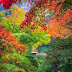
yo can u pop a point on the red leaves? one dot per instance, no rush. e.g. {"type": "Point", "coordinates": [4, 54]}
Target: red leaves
{"type": "Point", "coordinates": [51, 5]}
{"type": "Point", "coordinates": [28, 0]}
{"type": "Point", "coordinates": [62, 22]}
{"type": "Point", "coordinates": [65, 58]}
{"type": "Point", "coordinates": [21, 26]}
{"type": "Point", "coordinates": [68, 16]}
{"type": "Point", "coordinates": [27, 21]}
{"type": "Point", "coordinates": [31, 12]}
{"type": "Point", "coordinates": [45, 28]}
{"type": "Point", "coordinates": [8, 3]}
{"type": "Point", "coordinates": [14, 1]}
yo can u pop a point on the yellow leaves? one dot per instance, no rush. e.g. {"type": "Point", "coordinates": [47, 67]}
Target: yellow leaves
{"type": "Point", "coordinates": [36, 45]}
{"type": "Point", "coordinates": [13, 49]}
{"type": "Point", "coordinates": [47, 36]}
{"type": "Point", "coordinates": [33, 49]}
{"type": "Point", "coordinates": [15, 7]}
{"type": "Point", "coordinates": [32, 22]}
{"type": "Point", "coordinates": [16, 17]}
{"type": "Point", "coordinates": [2, 13]}
{"type": "Point", "coordinates": [19, 69]}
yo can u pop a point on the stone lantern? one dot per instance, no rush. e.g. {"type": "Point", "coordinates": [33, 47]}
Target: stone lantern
{"type": "Point", "coordinates": [34, 54]}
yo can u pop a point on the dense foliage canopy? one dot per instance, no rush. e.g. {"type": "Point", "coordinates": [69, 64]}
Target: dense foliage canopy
{"type": "Point", "coordinates": [23, 32]}
{"type": "Point", "coordinates": [59, 56]}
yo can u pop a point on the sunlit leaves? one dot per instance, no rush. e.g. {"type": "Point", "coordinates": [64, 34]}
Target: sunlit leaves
{"type": "Point", "coordinates": [33, 39]}
{"type": "Point", "coordinates": [12, 22]}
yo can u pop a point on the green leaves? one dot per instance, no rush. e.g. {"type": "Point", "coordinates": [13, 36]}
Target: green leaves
{"type": "Point", "coordinates": [59, 56]}
{"type": "Point", "coordinates": [17, 61]}
{"type": "Point", "coordinates": [33, 39]}
{"type": "Point", "coordinates": [62, 44]}
{"type": "Point", "coordinates": [8, 66]}
{"type": "Point", "coordinates": [12, 22]}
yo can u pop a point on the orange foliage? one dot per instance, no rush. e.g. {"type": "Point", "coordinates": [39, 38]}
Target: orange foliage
{"type": "Point", "coordinates": [58, 26]}
{"type": "Point", "coordinates": [10, 41]}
